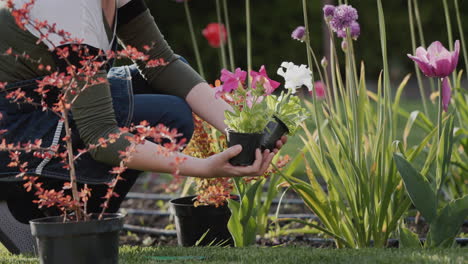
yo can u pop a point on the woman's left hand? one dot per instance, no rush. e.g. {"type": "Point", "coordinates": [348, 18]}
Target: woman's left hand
{"type": "Point", "coordinates": [280, 143]}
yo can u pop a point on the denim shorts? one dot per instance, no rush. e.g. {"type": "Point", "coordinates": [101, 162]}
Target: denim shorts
{"type": "Point", "coordinates": [26, 123]}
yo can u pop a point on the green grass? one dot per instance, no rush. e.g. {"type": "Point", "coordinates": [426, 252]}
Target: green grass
{"type": "Point", "coordinates": [282, 255]}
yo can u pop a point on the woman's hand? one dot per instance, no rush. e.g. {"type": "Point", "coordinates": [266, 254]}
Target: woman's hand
{"type": "Point", "coordinates": [280, 143]}
{"type": "Point", "coordinates": [218, 165]}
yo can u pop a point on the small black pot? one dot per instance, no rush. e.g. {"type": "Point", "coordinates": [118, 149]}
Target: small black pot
{"type": "Point", "coordinates": [249, 142]}
{"type": "Point", "coordinates": [273, 132]}
{"type": "Point", "coordinates": [94, 241]}
{"type": "Point", "coordinates": [193, 222]}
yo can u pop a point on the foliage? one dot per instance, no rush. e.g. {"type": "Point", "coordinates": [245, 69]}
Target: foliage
{"type": "Point", "coordinates": [253, 120]}
{"type": "Point", "coordinates": [249, 215]}
{"type": "Point", "coordinates": [207, 141]}
{"type": "Point", "coordinates": [351, 154]}
{"type": "Point", "coordinates": [289, 110]}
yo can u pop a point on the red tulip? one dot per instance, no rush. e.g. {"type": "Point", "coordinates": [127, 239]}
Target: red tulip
{"type": "Point", "coordinates": [216, 34]}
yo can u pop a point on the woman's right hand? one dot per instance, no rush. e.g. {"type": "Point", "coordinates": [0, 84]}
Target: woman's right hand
{"type": "Point", "coordinates": [218, 165]}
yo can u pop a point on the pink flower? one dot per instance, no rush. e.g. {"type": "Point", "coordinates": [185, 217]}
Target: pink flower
{"type": "Point", "coordinates": [320, 90]}
{"type": "Point", "coordinates": [446, 93]}
{"type": "Point", "coordinates": [437, 61]}
{"type": "Point", "coordinates": [250, 99]}
{"type": "Point", "coordinates": [260, 78]}
{"type": "Point", "coordinates": [231, 81]}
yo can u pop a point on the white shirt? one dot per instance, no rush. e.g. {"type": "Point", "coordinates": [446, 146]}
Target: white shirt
{"type": "Point", "coordinates": [83, 19]}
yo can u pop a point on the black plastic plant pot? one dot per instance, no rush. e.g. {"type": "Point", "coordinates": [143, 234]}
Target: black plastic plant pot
{"type": "Point", "coordinates": [206, 225]}
{"type": "Point", "coordinates": [249, 142]}
{"type": "Point", "coordinates": [94, 241]}
{"type": "Point", "coordinates": [273, 132]}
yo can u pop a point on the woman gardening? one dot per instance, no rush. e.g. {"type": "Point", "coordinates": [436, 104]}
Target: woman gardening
{"type": "Point", "coordinates": [128, 95]}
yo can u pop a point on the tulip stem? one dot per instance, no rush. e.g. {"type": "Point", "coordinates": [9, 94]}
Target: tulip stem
{"type": "Point", "coordinates": [439, 114]}
{"type": "Point", "coordinates": [194, 39]}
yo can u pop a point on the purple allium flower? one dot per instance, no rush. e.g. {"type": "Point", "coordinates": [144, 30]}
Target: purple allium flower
{"type": "Point", "coordinates": [355, 31]}
{"type": "Point", "coordinates": [328, 12]}
{"type": "Point", "coordinates": [299, 33]}
{"type": "Point", "coordinates": [343, 16]}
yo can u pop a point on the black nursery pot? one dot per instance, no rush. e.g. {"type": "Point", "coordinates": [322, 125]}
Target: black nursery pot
{"type": "Point", "coordinates": [193, 222]}
{"type": "Point", "coordinates": [273, 132]}
{"type": "Point", "coordinates": [94, 241]}
{"type": "Point", "coordinates": [249, 142]}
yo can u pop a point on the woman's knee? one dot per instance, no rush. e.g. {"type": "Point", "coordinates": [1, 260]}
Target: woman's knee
{"type": "Point", "coordinates": [185, 119]}
{"type": "Point", "coordinates": [171, 111]}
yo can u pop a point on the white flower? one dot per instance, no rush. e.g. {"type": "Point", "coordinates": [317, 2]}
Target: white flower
{"type": "Point", "coordinates": [295, 76]}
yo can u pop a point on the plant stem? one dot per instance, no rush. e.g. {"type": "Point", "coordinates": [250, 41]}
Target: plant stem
{"type": "Point", "coordinates": [73, 182]}
{"type": "Point", "coordinates": [306, 25]}
{"type": "Point", "coordinates": [422, 91]}
{"type": "Point", "coordinates": [314, 93]}
{"type": "Point", "coordinates": [421, 35]}
{"type": "Point", "coordinates": [333, 63]}
{"type": "Point", "coordinates": [462, 36]}
{"type": "Point", "coordinates": [194, 39]}
{"type": "Point", "coordinates": [439, 136]}
{"type": "Point", "coordinates": [450, 35]}
{"type": "Point", "coordinates": [229, 37]}
{"type": "Point", "coordinates": [439, 113]}
{"type": "Point", "coordinates": [222, 49]}
{"type": "Point", "coordinates": [249, 42]}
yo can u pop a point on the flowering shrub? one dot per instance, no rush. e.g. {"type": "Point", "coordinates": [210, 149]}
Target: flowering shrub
{"type": "Point", "coordinates": [66, 83]}
{"type": "Point", "coordinates": [206, 141]}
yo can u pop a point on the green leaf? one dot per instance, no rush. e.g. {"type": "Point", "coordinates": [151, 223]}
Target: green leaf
{"type": "Point", "coordinates": [409, 239]}
{"type": "Point", "coordinates": [247, 203]}
{"type": "Point", "coordinates": [234, 225]}
{"type": "Point", "coordinates": [419, 190]}
{"type": "Point", "coordinates": [447, 225]}
{"type": "Point", "coordinates": [409, 125]}
{"type": "Point", "coordinates": [445, 151]}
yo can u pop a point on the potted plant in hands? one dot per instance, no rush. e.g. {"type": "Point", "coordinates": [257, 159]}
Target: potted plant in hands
{"type": "Point", "coordinates": [202, 219]}
{"type": "Point", "coordinates": [288, 113]}
{"type": "Point", "coordinates": [250, 114]}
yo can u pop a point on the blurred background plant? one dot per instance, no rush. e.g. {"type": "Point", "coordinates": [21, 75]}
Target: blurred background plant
{"type": "Point", "coordinates": [271, 46]}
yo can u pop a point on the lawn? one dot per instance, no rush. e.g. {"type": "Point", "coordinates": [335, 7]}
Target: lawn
{"type": "Point", "coordinates": [280, 255]}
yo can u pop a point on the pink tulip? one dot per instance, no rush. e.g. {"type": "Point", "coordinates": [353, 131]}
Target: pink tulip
{"type": "Point", "coordinates": [437, 61]}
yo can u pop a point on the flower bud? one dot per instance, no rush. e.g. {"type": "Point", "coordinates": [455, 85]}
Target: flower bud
{"type": "Point", "coordinates": [344, 45]}
{"type": "Point", "coordinates": [324, 62]}
{"type": "Point", "coordinates": [299, 34]}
